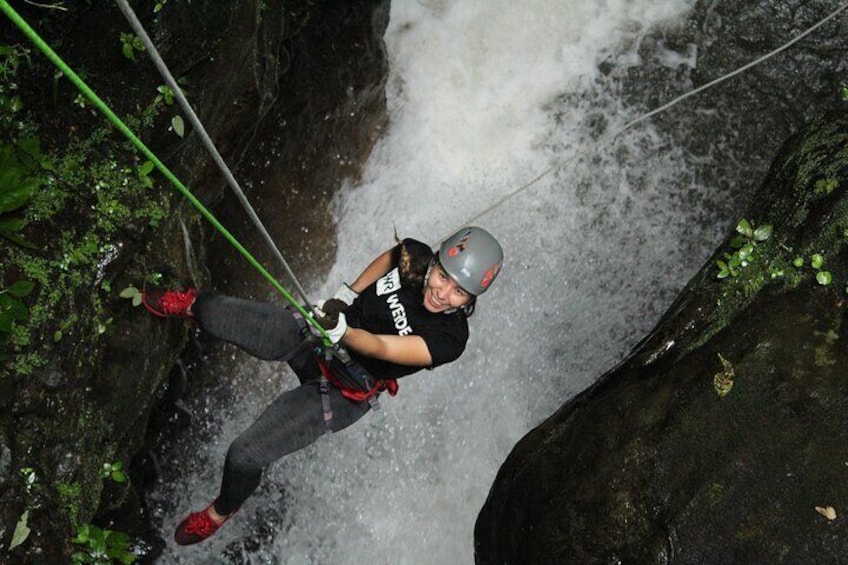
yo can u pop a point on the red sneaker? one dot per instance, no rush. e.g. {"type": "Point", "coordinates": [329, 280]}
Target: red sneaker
{"type": "Point", "coordinates": [198, 526]}
{"type": "Point", "coordinates": [167, 303]}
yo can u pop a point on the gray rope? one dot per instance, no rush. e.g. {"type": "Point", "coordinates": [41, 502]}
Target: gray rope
{"type": "Point", "coordinates": [207, 141]}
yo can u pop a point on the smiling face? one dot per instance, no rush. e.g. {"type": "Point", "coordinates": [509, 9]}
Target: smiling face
{"type": "Point", "coordinates": [441, 293]}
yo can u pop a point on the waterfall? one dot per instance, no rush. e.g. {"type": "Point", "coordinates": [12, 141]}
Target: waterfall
{"type": "Point", "coordinates": [482, 97]}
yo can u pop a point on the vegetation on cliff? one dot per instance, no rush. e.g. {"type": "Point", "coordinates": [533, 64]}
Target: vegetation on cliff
{"type": "Point", "coordinates": [77, 209]}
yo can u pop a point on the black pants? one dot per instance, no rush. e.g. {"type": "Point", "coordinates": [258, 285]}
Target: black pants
{"type": "Point", "coordinates": [292, 421]}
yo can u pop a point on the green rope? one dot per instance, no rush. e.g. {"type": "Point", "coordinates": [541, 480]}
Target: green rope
{"type": "Point", "coordinates": [118, 123]}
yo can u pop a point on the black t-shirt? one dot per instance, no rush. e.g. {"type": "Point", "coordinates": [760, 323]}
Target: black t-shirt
{"type": "Point", "coordinates": [394, 304]}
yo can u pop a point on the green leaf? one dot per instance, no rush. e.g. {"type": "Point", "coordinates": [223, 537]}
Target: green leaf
{"type": "Point", "coordinates": [178, 125]}
{"type": "Point", "coordinates": [824, 278]}
{"type": "Point", "coordinates": [6, 320]}
{"type": "Point", "coordinates": [16, 239]}
{"type": "Point", "coordinates": [16, 193]}
{"type": "Point", "coordinates": [57, 337]}
{"type": "Point", "coordinates": [723, 270]}
{"type": "Point", "coordinates": [763, 232]}
{"type": "Point", "coordinates": [744, 228]}
{"type": "Point", "coordinates": [32, 148]}
{"type": "Point", "coordinates": [737, 241]}
{"type": "Point", "coordinates": [735, 261]}
{"type": "Point", "coordinates": [21, 531]}
{"type": "Point", "coordinates": [136, 301]}
{"type": "Point", "coordinates": [14, 307]}
{"type": "Point", "coordinates": [129, 292]}
{"type": "Point", "coordinates": [146, 168]}
{"type": "Point", "coordinates": [12, 224]}
{"type": "Point", "coordinates": [82, 534]}
{"type": "Point", "coordinates": [21, 288]}
{"type": "Point", "coordinates": [129, 53]}
{"type": "Point", "coordinates": [798, 262]}
{"type": "Point", "coordinates": [817, 261]}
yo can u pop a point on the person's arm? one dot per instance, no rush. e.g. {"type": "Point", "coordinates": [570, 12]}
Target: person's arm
{"type": "Point", "coordinates": [378, 267]}
{"type": "Point", "coordinates": [401, 349]}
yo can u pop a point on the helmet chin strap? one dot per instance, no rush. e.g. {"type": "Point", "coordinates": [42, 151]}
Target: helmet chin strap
{"type": "Point", "coordinates": [429, 270]}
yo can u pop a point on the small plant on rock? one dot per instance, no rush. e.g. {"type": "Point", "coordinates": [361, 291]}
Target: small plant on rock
{"type": "Point", "coordinates": [102, 546]}
{"type": "Point", "coordinates": [114, 471]}
{"type": "Point", "coordinates": [130, 43]}
{"type": "Point", "coordinates": [744, 245]}
{"type": "Point", "coordinates": [823, 277]}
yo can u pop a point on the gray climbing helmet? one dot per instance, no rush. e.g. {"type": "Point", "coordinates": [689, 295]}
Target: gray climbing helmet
{"type": "Point", "coordinates": [473, 258]}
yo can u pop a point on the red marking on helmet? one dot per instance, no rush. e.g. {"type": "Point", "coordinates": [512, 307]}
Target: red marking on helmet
{"type": "Point", "coordinates": [457, 249]}
{"type": "Point", "coordinates": [490, 275]}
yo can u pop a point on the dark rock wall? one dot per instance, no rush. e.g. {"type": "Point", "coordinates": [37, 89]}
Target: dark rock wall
{"type": "Point", "coordinates": [651, 465]}
{"type": "Point", "coordinates": [320, 130]}
{"type": "Point", "coordinates": [249, 69]}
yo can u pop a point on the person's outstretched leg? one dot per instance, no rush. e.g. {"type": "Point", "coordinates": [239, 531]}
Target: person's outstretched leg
{"type": "Point", "coordinates": [266, 331]}
{"type": "Point", "coordinates": [293, 421]}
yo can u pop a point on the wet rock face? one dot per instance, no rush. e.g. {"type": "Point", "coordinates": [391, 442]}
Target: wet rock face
{"type": "Point", "coordinates": [652, 465]}
{"type": "Point", "coordinates": [733, 129]}
{"type": "Point", "coordinates": [320, 130]}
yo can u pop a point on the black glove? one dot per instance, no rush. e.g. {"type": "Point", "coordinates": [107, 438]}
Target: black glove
{"type": "Point", "coordinates": [331, 317]}
{"type": "Point", "coordinates": [333, 307]}
{"type": "Point", "coordinates": [328, 312]}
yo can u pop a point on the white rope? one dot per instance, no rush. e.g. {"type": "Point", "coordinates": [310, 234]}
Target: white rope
{"type": "Point", "coordinates": [604, 139]}
{"type": "Point", "coordinates": [207, 141]}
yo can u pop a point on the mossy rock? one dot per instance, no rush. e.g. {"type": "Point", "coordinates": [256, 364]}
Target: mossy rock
{"type": "Point", "coordinates": [652, 465]}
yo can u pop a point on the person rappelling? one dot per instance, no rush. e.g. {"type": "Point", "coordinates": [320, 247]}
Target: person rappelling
{"type": "Point", "coordinates": [407, 311]}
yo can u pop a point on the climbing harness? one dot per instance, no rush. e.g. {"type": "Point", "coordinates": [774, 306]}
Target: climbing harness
{"type": "Point", "coordinates": [339, 369]}
{"type": "Point", "coordinates": [128, 133]}
{"type": "Point", "coordinates": [354, 382]}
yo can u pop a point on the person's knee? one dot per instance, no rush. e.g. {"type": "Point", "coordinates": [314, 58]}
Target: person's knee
{"type": "Point", "coordinates": [241, 457]}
